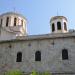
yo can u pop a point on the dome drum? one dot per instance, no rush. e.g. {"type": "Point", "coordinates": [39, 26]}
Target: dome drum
{"type": "Point", "coordinates": [58, 24]}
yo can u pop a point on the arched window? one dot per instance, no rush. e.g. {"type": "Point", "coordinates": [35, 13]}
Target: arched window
{"type": "Point", "coordinates": [38, 56]}
{"type": "Point", "coordinates": [64, 54]}
{"type": "Point", "coordinates": [59, 25]}
{"type": "Point", "coordinates": [21, 22]}
{"type": "Point", "coordinates": [15, 21]}
{"type": "Point", "coordinates": [7, 21]}
{"type": "Point", "coordinates": [53, 27]}
{"type": "Point", "coordinates": [65, 27]}
{"type": "Point", "coordinates": [19, 57]}
{"type": "Point", "coordinates": [1, 22]}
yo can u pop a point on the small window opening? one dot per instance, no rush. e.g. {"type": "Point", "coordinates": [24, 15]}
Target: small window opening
{"type": "Point", "coordinates": [15, 21]}
{"type": "Point", "coordinates": [21, 22]}
{"type": "Point", "coordinates": [38, 56]}
{"type": "Point", "coordinates": [1, 22]}
{"type": "Point", "coordinates": [59, 25]}
{"type": "Point", "coordinates": [65, 27]}
{"type": "Point", "coordinates": [64, 54]}
{"type": "Point", "coordinates": [19, 57]}
{"type": "Point", "coordinates": [7, 21]}
{"type": "Point", "coordinates": [53, 27]}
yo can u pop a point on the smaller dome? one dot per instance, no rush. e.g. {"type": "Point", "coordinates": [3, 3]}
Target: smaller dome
{"type": "Point", "coordinates": [58, 24]}
{"type": "Point", "coordinates": [58, 17]}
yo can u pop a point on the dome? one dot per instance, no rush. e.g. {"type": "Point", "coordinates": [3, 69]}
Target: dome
{"type": "Point", "coordinates": [58, 17]}
{"type": "Point", "coordinates": [12, 23]}
{"type": "Point", "coordinates": [58, 24]}
{"type": "Point", "coordinates": [13, 13]}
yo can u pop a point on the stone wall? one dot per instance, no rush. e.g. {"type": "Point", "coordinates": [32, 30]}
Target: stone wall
{"type": "Point", "coordinates": [51, 55]}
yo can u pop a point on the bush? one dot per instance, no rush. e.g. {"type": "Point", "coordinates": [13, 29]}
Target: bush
{"type": "Point", "coordinates": [34, 73]}
{"type": "Point", "coordinates": [46, 73]}
{"type": "Point", "coordinates": [14, 72]}
{"type": "Point", "coordinates": [37, 73]}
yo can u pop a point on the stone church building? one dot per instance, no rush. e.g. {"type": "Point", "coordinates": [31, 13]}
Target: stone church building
{"type": "Point", "coordinates": [54, 52]}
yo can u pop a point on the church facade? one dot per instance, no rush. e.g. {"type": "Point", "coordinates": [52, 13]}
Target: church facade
{"type": "Point", "coordinates": [54, 52]}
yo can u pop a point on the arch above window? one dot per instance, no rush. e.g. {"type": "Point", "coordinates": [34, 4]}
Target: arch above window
{"type": "Point", "coordinates": [38, 56]}
{"type": "Point", "coordinates": [64, 54]}
{"type": "Point", "coordinates": [59, 25]}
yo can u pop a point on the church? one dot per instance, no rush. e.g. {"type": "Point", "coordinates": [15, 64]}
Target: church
{"type": "Point", "coordinates": [53, 52]}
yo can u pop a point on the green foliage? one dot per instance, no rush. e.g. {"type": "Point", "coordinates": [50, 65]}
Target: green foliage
{"type": "Point", "coordinates": [17, 72]}
{"type": "Point", "coordinates": [37, 73]}
{"type": "Point", "coordinates": [46, 73]}
{"type": "Point", "coordinates": [14, 72]}
{"type": "Point", "coordinates": [34, 73]}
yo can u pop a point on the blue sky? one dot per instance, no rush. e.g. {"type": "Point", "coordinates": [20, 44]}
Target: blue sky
{"type": "Point", "coordinates": [39, 12]}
